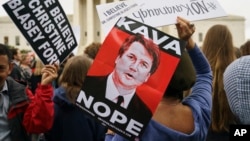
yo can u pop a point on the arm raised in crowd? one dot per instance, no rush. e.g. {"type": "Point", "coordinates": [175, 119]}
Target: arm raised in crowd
{"type": "Point", "coordinates": [39, 114]}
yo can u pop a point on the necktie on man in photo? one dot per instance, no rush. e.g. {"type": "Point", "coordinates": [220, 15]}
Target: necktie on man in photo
{"type": "Point", "coordinates": [120, 99]}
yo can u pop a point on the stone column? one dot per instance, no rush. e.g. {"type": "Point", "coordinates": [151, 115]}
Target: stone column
{"type": "Point", "coordinates": [90, 21]}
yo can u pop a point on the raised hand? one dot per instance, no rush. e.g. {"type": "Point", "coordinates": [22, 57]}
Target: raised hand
{"type": "Point", "coordinates": [49, 73]}
{"type": "Point", "coordinates": [185, 31]}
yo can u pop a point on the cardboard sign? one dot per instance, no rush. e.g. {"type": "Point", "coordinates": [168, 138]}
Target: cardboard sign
{"type": "Point", "coordinates": [45, 26]}
{"type": "Point", "coordinates": [158, 13]}
{"type": "Point", "coordinates": [135, 61]}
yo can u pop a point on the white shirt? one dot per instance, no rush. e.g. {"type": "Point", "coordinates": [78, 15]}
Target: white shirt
{"type": "Point", "coordinates": [16, 62]}
{"type": "Point", "coordinates": [112, 93]}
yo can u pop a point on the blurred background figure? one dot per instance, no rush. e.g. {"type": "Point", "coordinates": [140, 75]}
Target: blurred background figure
{"type": "Point", "coordinates": [36, 75]}
{"type": "Point", "coordinates": [237, 52]}
{"type": "Point", "coordinates": [219, 49]}
{"type": "Point", "coordinates": [32, 57]}
{"type": "Point", "coordinates": [25, 67]}
{"type": "Point", "coordinates": [245, 48]}
{"type": "Point", "coordinates": [92, 49]}
{"type": "Point", "coordinates": [16, 58]}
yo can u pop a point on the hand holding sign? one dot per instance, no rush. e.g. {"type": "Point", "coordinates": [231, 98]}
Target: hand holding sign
{"type": "Point", "coordinates": [130, 63]}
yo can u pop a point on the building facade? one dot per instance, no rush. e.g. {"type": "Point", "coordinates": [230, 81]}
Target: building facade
{"type": "Point", "coordinates": [85, 16]}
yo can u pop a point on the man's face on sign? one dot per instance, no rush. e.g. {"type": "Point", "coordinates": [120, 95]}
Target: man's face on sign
{"type": "Point", "coordinates": [133, 67]}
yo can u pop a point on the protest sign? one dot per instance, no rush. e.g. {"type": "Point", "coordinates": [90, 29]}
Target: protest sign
{"type": "Point", "coordinates": [45, 26]}
{"type": "Point", "coordinates": [76, 30]}
{"type": "Point", "coordinates": [109, 13]}
{"type": "Point", "coordinates": [158, 13]}
{"type": "Point", "coordinates": [135, 61]}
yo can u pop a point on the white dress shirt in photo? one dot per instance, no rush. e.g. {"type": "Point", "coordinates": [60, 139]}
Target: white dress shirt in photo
{"type": "Point", "coordinates": [112, 93]}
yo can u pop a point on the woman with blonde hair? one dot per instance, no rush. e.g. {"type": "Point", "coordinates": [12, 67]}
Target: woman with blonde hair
{"type": "Point", "coordinates": [219, 49]}
{"type": "Point", "coordinates": [26, 70]}
{"type": "Point", "coordinates": [36, 75]}
{"type": "Point", "coordinates": [70, 122]}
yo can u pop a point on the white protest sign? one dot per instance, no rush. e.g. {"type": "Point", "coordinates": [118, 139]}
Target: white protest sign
{"type": "Point", "coordinates": [76, 31]}
{"type": "Point", "coordinates": [158, 13]}
{"type": "Point", "coordinates": [109, 13]}
{"type": "Point", "coordinates": [164, 12]}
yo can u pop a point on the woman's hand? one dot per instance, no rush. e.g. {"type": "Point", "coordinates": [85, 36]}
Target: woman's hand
{"type": "Point", "coordinates": [49, 73]}
{"type": "Point", "coordinates": [185, 31]}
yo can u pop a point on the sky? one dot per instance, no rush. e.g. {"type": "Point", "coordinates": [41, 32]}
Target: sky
{"type": "Point", "coordinates": [233, 7]}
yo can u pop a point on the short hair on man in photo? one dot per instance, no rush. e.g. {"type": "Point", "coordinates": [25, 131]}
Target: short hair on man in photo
{"type": "Point", "coordinates": [148, 44]}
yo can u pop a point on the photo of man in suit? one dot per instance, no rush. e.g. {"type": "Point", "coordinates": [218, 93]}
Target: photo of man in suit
{"type": "Point", "coordinates": [137, 59]}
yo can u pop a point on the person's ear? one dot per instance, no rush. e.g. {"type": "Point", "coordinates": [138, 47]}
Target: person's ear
{"type": "Point", "coordinates": [117, 59]}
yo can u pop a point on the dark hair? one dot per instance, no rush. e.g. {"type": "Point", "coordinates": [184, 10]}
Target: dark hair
{"type": "Point", "coordinates": [92, 49]}
{"type": "Point", "coordinates": [237, 52]}
{"type": "Point", "coordinates": [14, 52]}
{"type": "Point", "coordinates": [183, 78]}
{"type": "Point", "coordinates": [245, 48]}
{"type": "Point", "coordinates": [148, 44]}
{"type": "Point", "coordinates": [4, 50]}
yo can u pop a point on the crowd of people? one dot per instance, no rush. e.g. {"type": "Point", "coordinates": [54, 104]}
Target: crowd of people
{"type": "Point", "coordinates": [209, 92]}
{"type": "Point", "coordinates": [24, 113]}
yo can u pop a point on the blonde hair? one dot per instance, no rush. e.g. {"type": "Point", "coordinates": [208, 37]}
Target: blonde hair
{"type": "Point", "coordinates": [38, 67]}
{"type": "Point", "coordinates": [23, 57]}
{"type": "Point", "coordinates": [219, 49]}
{"type": "Point", "coordinates": [73, 75]}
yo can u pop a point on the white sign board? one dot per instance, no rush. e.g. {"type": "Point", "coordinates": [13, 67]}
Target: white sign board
{"type": "Point", "coordinates": [76, 31]}
{"type": "Point", "coordinates": [158, 13]}
{"type": "Point", "coordinates": [109, 13]}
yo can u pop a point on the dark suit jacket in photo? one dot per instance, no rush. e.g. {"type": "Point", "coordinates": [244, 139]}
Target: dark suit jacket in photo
{"type": "Point", "coordinates": [137, 109]}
